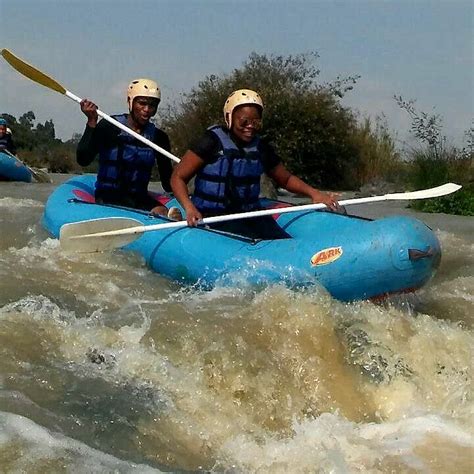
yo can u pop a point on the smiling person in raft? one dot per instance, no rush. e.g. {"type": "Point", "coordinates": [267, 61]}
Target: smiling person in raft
{"type": "Point", "coordinates": [228, 162]}
{"type": "Point", "coordinates": [125, 164]}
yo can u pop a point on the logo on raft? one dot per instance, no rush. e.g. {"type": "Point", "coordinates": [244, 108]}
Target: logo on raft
{"type": "Point", "coordinates": [325, 256]}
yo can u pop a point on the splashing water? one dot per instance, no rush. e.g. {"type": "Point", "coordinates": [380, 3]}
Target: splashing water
{"type": "Point", "coordinates": [106, 366]}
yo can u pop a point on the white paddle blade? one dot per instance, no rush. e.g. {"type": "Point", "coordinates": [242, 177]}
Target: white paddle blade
{"type": "Point", "coordinates": [442, 190]}
{"type": "Point", "coordinates": [41, 176]}
{"type": "Point", "coordinates": [88, 236]}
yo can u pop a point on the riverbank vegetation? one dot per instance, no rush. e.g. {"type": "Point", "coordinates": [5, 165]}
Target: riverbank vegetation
{"type": "Point", "coordinates": [319, 139]}
{"type": "Point", "coordinates": [38, 146]}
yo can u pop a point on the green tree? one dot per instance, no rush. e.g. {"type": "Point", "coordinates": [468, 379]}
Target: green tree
{"type": "Point", "coordinates": [434, 161]}
{"type": "Point", "coordinates": [27, 119]}
{"type": "Point", "coordinates": [22, 130]}
{"type": "Point", "coordinates": [38, 146]}
{"type": "Point", "coordinates": [303, 118]}
{"type": "Point", "coordinates": [46, 132]}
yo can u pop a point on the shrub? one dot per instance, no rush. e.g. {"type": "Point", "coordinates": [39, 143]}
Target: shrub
{"type": "Point", "coordinates": [435, 162]}
{"type": "Point", "coordinates": [309, 128]}
{"type": "Point", "coordinates": [378, 157]}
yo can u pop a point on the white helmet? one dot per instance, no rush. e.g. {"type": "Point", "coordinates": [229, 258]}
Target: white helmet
{"type": "Point", "coordinates": [240, 97]}
{"type": "Point", "coordinates": [142, 88]}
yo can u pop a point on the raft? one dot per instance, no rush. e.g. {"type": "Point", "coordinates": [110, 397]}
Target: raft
{"type": "Point", "coordinates": [352, 258]}
{"type": "Point", "coordinates": [12, 169]}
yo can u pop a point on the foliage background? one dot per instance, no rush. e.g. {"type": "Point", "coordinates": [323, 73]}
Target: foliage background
{"type": "Point", "coordinates": [318, 139]}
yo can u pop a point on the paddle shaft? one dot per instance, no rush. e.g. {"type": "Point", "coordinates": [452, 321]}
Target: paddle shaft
{"type": "Point", "coordinates": [9, 153]}
{"type": "Point", "coordinates": [40, 175]}
{"type": "Point", "coordinates": [128, 130]}
{"type": "Point", "coordinates": [139, 229]}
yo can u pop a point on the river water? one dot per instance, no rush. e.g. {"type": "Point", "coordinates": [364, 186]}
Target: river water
{"type": "Point", "coordinates": [108, 367]}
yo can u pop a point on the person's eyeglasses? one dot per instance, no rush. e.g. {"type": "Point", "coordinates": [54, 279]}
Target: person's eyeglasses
{"type": "Point", "coordinates": [246, 122]}
{"type": "Point", "coordinates": [145, 102]}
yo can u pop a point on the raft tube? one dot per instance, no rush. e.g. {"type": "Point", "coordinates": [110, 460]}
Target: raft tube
{"type": "Point", "coordinates": [12, 169]}
{"type": "Point", "coordinates": [351, 257]}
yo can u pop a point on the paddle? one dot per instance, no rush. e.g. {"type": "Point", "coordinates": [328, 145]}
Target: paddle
{"type": "Point", "coordinates": [40, 175]}
{"type": "Point", "coordinates": [41, 78]}
{"type": "Point", "coordinates": [104, 234]}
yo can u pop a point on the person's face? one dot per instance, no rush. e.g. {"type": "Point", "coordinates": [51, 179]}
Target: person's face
{"type": "Point", "coordinates": [143, 109]}
{"type": "Point", "coordinates": [3, 130]}
{"type": "Point", "coordinates": [246, 122]}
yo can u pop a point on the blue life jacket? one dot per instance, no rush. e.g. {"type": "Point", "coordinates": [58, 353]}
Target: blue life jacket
{"type": "Point", "coordinates": [231, 183]}
{"type": "Point", "coordinates": [126, 168]}
{"type": "Point", "coordinates": [5, 143]}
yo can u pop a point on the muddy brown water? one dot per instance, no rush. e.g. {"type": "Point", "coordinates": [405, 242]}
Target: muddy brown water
{"type": "Point", "coordinates": [107, 367]}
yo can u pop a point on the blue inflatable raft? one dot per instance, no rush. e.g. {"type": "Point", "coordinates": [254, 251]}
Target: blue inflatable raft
{"type": "Point", "coordinates": [12, 169]}
{"type": "Point", "coordinates": [351, 257]}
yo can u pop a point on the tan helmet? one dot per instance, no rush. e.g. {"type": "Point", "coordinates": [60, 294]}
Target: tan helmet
{"type": "Point", "coordinates": [142, 88]}
{"type": "Point", "coordinates": [240, 97]}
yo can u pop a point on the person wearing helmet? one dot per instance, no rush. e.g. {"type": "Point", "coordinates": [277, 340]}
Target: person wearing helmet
{"type": "Point", "coordinates": [228, 162]}
{"type": "Point", "coordinates": [6, 141]}
{"type": "Point", "coordinates": [125, 163]}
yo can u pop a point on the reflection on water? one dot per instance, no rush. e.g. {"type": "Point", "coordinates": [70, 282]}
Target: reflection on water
{"type": "Point", "coordinates": [108, 367]}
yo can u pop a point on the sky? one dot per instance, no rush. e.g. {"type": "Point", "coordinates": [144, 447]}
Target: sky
{"type": "Point", "coordinates": [419, 49]}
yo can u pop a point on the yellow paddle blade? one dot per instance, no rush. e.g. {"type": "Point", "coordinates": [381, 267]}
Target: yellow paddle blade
{"type": "Point", "coordinates": [31, 72]}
